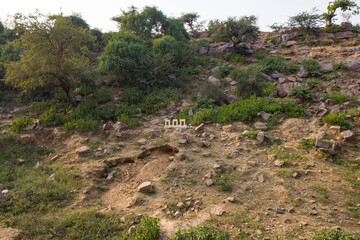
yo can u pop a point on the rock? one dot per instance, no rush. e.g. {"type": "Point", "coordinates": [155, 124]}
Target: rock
{"type": "Point", "coordinates": [21, 160]}
{"type": "Point", "coordinates": [181, 157]}
{"type": "Point", "coordinates": [38, 164]}
{"type": "Point", "coordinates": [326, 68]}
{"type": "Point", "coordinates": [209, 182]}
{"type": "Point", "coordinates": [108, 126]}
{"type": "Point", "coordinates": [346, 26]}
{"type": "Point", "coordinates": [145, 187]}
{"type": "Point", "coordinates": [313, 213]}
{"type": "Point", "coordinates": [217, 168]}
{"type": "Point", "coordinates": [206, 154]}
{"type": "Point", "coordinates": [78, 98]}
{"type": "Point", "coordinates": [98, 154]}
{"type": "Point", "coordinates": [282, 80]}
{"type": "Point", "coordinates": [271, 157]}
{"type": "Point", "coordinates": [260, 137]}
{"type": "Point", "coordinates": [214, 81]}
{"type": "Point", "coordinates": [295, 175]}
{"type": "Point", "coordinates": [265, 115]}
{"type": "Point", "coordinates": [119, 126]}
{"type": "Point", "coordinates": [260, 126]}
{"type": "Point", "coordinates": [251, 163]}
{"type": "Point", "coordinates": [205, 144]}
{"type": "Point", "coordinates": [135, 201]}
{"type": "Point", "coordinates": [290, 43]}
{"type": "Point", "coordinates": [132, 230]}
{"type": "Point", "coordinates": [322, 144]}
{"type": "Point", "coordinates": [218, 212]}
{"type": "Point", "coordinates": [183, 141]}
{"type": "Point", "coordinates": [261, 178]}
{"type": "Point", "coordinates": [279, 210]}
{"type": "Point", "coordinates": [303, 74]}
{"type": "Point", "coordinates": [178, 214]}
{"type": "Point", "coordinates": [279, 163]}
{"type": "Point", "coordinates": [230, 199]}
{"type": "Point", "coordinates": [353, 65]}
{"type": "Point", "coordinates": [200, 127]}
{"type": "Point", "coordinates": [180, 205]}
{"type": "Point", "coordinates": [52, 177]}
{"type": "Point", "coordinates": [108, 151]}
{"type": "Point", "coordinates": [347, 134]}
{"type": "Point", "coordinates": [83, 151]}
{"type": "Point", "coordinates": [344, 35]}
{"type": "Point", "coordinates": [4, 191]}
{"type": "Point", "coordinates": [335, 130]}
{"type": "Point", "coordinates": [142, 141]}
{"type": "Point", "coordinates": [233, 98]}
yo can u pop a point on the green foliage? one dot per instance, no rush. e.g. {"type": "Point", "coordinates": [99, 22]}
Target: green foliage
{"type": "Point", "coordinates": [339, 98]}
{"type": "Point", "coordinates": [123, 58]}
{"type": "Point", "coordinates": [294, 67]}
{"type": "Point", "coordinates": [147, 229]}
{"type": "Point", "coordinates": [247, 109]}
{"type": "Point", "coordinates": [206, 103]}
{"type": "Point", "coordinates": [200, 233]}
{"type": "Point", "coordinates": [209, 91]}
{"type": "Point", "coordinates": [190, 19]}
{"type": "Point", "coordinates": [53, 54]}
{"type": "Point", "coordinates": [132, 96]}
{"type": "Point", "coordinates": [286, 154]}
{"type": "Point", "coordinates": [235, 58]}
{"type": "Point", "coordinates": [337, 119]}
{"type": "Point", "coordinates": [339, 66]}
{"type": "Point", "coordinates": [252, 134]}
{"type": "Point", "coordinates": [82, 125]}
{"type": "Point", "coordinates": [150, 21]}
{"type": "Point", "coordinates": [20, 124]}
{"type": "Point", "coordinates": [307, 143]}
{"type": "Point", "coordinates": [273, 63]}
{"type": "Point", "coordinates": [249, 81]}
{"type": "Point", "coordinates": [223, 71]}
{"type": "Point", "coordinates": [332, 28]}
{"type": "Point", "coordinates": [311, 66]}
{"type": "Point", "coordinates": [343, 5]}
{"type": "Point", "coordinates": [103, 96]}
{"type": "Point", "coordinates": [242, 30]}
{"type": "Point", "coordinates": [306, 22]}
{"type": "Point", "coordinates": [334, 234]}
{"type": "Point", "coordinates": [224, 182]}
{"type": "Point", "coordinates": [306, 92]}
{"type": "Point", "coordinates": [276, 27]}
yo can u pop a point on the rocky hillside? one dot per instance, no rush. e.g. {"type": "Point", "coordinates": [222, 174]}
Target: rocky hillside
{"type": "Point", "coordinates": [276, 174]}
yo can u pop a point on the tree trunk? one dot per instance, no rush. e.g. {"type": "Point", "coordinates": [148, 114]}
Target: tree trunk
{"type": "Point", "coordinates": [66, 88]}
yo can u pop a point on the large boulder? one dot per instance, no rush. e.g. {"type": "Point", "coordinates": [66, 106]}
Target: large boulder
{"type": "Point", "coordinates": [353, 65]}
{"type": "Point", "coordinates": [145, 187]}
{"type": "Point", "coordinates": [346, 26]}
{"type": "Point", "coordinates": [344, 35]}
{"type": "Point", "coordinates": [214, 81]}
{"type": "Point", "coordinates": [326, 68]}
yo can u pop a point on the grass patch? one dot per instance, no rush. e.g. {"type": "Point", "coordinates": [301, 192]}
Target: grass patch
{"type": "Point", "coordinates": [339, 98]}
{"type": "Point", "coordinates": [334, 234]}
{"type": "Point", "coordinates": [337, 119]}
{"type": "Point", "coordinates": [323, 193]}
{"type": "Point", "coordinates": [224, 182]}
{"type": "Point", "coordinates": [201, 233]}
{"type": "Point", "coordinates": [161, 142]}
{"type": "Point", "coordinates": [307, 144]}
{"type": "Point", "coordinates": [286, 154]}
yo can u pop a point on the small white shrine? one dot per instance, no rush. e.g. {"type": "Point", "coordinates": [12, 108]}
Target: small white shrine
{"type": "Point", "coordinates": [175, 123]}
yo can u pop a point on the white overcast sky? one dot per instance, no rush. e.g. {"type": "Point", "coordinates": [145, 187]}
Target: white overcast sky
{"type": "Point", "coordinates": [98, 13]}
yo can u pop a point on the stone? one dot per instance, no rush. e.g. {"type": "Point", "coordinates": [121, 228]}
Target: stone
{"type": "Point", "coordinates": [217, 167]}
{"type": "Point", "coordinates": [4, 191]}
{"type": "Point", "coordinates": [108, 126]}
{"type": "Point", "coordinates": [142, 141]}
{"type": "Point", "coordinates": [353, 65]}
{"type": "Point", "coordinates": [282, 80]}
{"type": "Point", "coordinates": [178, 214]}
{"type": "Point", "coordinates": [322, 144]}
{"type": "Point", "coordinates": [346, 26]}
{"type": "Point", "coordinates": [303, 74]}
{"type": "Point", "coordinates": [279, 163]}
{"type": "Point", "coordinates": [326, 68]}
{"type": "Point", "coordinates": [261, 178]}
{"type": "Point", "coordinates": [230, 199]}
{"type": "Point", "coordinates": [200, 127]}
{"type": "Point", "coordinates": [209, 182]}
{"type": "Point", "coordinates": [290, 43]}
{"type": "Point", "coordinates": [98, 154]}
{"type": "Point", "coordinates": [214, 81]}
{"type": "Point", "coordinates": [83, 151]}
{"type": "Point", "coordinates": [132, 230]}
{"type": "Point", "coordinates": [335, 130]}
{"type": "Point", "coordinates": [135, 201]}
{"type": "Point", "coordinates": [260, 137]}
{"type": "Point", "coordinates": [313, 213]}
{"type": "Point", "coordinates": [183, 141]}
{"type": "Point", "coordinates": [181, 157]}
{"type": "Point", "coordinates": [218, 212]}
{"type": "Point", "coordinates": [279, 210]}
{"type": "Point", "coordinates": [295, 175]}
{"type": "Point", "coordinates": [344, 35]}
{"type": "Point", "coordinates": [260, 126]}
{"type": "Point", "coordinates": [347, 134]}
{"type": "Point", "coordinates": [21, 160]}
{"type": "Point", "coordinates": [205, 144]}
{"type": "Point", "coordinates": [252, 163]}
{"type": "Point", "coordinates": [206, 154]}
{"type": "Point", "coordinates": [145, 187]}
{"type": "Point", "coordinates": [52, 177]}
{"type": "Point", "coordinates": [180, 205]}
{"type": "Point", "coordinates": [119, 126]}
{"type": "Point", "coordinates": [271, 157]}
{"type": "Point", "coordinates": [108, 151]}
{"type": "Point", "coordinates": [265, 115]}
{"type": "Point", "coordinates": [38, 164]}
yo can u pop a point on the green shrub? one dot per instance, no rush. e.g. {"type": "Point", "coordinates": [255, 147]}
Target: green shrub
{"type": "Point", "coordinates": [332, 28]}
{"type": "Point", "coordinates": [132, 96]}
{"type": "Point", "coordinates": [224, 182]}
{"type": "Point", "coordinates": [223, 71]}
{"type": "Point", "coordinates": [294, 67]}
{"type": "Point", "coordinates": [103, 96]}
{"type": "Point", "coordinates": [200, 233]}
{"type": "Point", "coordinates": [52, 117]}
{"type": "Point", "coordinates": [339, 66]}
{"type": "Point", "coordinates": [306, 92]}
{"type": "Point", "coordinates": [206, 103]}
{"type": "Point", "coordinates": [249, 82]}
{"type": "Point", "coordinates": [337, 119]}
{"type": "Point", "coordinates": [271, 64]}
{"type": "Point", "coordinates": [307, 143]}
{"type": "Point", "coordinates": [209, 91]}
{"type": "Point", "coordinates": [334, 234]}
{"type": "Point", "coordinates": [252, 134]}
{"type": "Point", "coordinates": [147, 229]}
{"type": "Point", "coordinates": [339, 98]}
{"type": "Point", "coordinates": [311, 66]}
{"type": "Point", "coordinates": [235, 58]}
{"type": "Point", "coordinates": [20, 124]}
{"type": "Point", "coordinates": [83, 125]}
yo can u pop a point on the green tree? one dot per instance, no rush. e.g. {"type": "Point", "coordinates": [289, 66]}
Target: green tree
{"type": "Point", "coordinates": [343, 5]}
{"type": "Point", "coordinates": [190, 19]}
{"type": "Point", "coordinates": [149, 23]}
{"type": "Point", "coordinates": [124, 58]}
{"type": "Point", "coordinates": [53, 53]}
{"type": "Point", "coordinates": [78, 21]}
{"type": "Point", "coordinates": [306, 22]}
{"type": "Point", "coordinates": [242, 30]}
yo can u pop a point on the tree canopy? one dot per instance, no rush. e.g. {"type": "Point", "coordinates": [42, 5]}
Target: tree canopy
{"type": "Point", "coordinates": [242, 30]}
{"type": "Point", "coordinates": [190, 19]}
{"type": "Point", "coordinates": [52, 53]}
{"type": "Point", "coordinates": [150, 22]}
{"type": "Point", "coordinates": [343, 5]}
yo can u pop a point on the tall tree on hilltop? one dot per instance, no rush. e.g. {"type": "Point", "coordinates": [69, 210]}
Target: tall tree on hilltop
{"type": "Point", "coordinates": [343, 5]}
{"type": "Point", "coordinates": [53, 53]}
